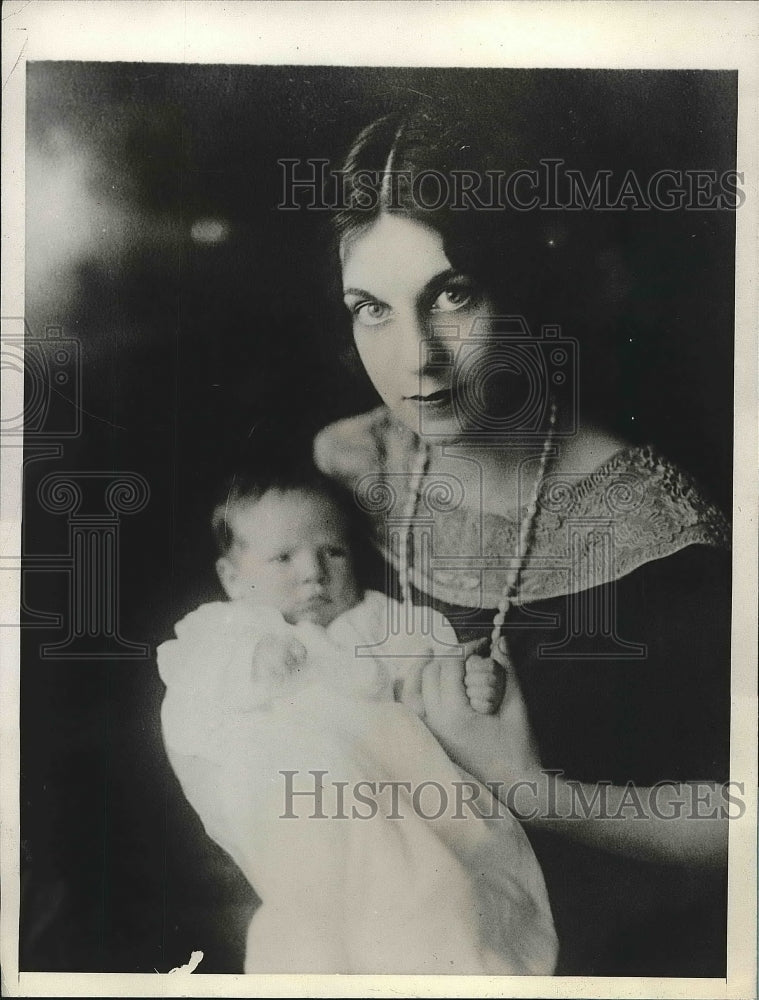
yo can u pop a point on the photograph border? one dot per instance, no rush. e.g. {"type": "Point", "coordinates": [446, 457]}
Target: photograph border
{"type": "Point", "coordinates": [580, 35]}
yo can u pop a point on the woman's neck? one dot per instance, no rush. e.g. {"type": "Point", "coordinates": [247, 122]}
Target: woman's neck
{"type": "Point", "coordinates": [501, 476]}
{"type": "Point", "coordinates": [494, 477]}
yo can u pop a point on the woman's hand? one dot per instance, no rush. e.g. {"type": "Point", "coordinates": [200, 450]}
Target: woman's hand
{"type": "Point", "coordinates": [500, 750]}
{"type": "Point", "coordinates": [491, 747]}
{"type": "Point", "coordinates": [485, 683]}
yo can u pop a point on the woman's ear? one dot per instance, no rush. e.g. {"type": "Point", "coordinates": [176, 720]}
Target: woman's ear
{"type": "Point", "coordinates": [227, 573]}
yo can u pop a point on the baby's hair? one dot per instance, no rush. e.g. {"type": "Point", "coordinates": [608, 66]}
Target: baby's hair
{"type": "Point", "coordinates": [247, 487]}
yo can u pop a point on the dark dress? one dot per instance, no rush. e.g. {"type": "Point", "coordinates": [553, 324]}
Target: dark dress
{"type": "Point", "coordinates": [663, 717]}
{"type": "Point", "coordinates": [621, 638]}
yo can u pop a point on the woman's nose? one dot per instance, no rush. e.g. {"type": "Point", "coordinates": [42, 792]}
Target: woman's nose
{"type": "Point", "coordinates": [422, 341]}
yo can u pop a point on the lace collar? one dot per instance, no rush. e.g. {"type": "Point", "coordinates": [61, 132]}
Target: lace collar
{"type": "Point", "coordinates": [590, 528]}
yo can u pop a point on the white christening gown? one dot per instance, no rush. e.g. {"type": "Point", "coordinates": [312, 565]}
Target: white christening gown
{"type": "Point", "coordinates": [371, 851]}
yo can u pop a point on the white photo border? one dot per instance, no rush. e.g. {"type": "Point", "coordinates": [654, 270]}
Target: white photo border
{"type": "Point", "coordinates": [580, 35]}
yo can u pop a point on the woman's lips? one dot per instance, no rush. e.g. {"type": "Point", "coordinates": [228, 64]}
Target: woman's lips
{"type": "Point", "coordinates": [440, 398]}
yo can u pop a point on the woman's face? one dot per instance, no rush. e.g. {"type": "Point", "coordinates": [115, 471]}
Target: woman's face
{"type": "Point", "coordinates": [410, 309]}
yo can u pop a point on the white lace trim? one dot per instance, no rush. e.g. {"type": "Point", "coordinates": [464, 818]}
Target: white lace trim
{"type": "Point", "coordinates": [590, 529]}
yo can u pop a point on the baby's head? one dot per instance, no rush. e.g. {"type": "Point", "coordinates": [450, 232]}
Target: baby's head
{"type": "Point", "coordinates": [288, 542]}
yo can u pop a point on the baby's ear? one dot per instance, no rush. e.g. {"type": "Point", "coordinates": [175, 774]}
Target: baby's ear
{"type": "Point", "coordinates": [228, 578]}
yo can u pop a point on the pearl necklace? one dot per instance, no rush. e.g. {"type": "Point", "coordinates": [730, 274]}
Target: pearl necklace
{"type": "Point", "coordinates": [526, 528]}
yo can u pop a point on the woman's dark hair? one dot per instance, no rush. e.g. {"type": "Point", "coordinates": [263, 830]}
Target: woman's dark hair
{"type": "Point", "coordinates": [548, 265]}
{"type": "Point", "coordinates": [445, 169]}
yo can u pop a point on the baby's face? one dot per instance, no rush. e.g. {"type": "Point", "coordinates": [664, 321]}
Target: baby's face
{"type": "Point", "coordinates": [291, 552]}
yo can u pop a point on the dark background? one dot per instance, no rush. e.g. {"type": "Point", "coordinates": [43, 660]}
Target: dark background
{"type": "Point", "coordinates": [197, 356]}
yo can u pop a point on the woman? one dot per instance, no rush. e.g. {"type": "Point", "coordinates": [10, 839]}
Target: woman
{"type": "Point", "coordinates": [597, 569]}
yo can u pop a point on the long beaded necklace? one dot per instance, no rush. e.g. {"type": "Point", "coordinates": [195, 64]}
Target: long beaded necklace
{"type": "Point", "coordinates": [526, 529]}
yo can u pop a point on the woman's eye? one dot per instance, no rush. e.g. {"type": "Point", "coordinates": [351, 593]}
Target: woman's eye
{"type": "Point", "coordinates": [370, 313]}
{"type": "Point", "coordinates": [281, 557]}
{"type": "Point", "coordinates": [452, 299]}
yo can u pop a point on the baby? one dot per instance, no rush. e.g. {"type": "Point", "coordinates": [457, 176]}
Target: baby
{"type": "Point", "coordinates": [297, 678]}
{"type": "Point", "coordinates": [290, 546]}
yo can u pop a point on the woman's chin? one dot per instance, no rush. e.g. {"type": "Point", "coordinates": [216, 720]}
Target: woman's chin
{"type": "Point", "coordinates": [436, 426]}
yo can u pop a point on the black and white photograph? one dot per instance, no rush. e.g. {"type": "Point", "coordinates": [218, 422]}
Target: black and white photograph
{"type": "Point", "coordinates": [379, 564]}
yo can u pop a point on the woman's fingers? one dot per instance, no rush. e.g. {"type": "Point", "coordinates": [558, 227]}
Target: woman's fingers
{"type": "Point", "coordinates": [477, 647]}
{"type": "Point", "coordinates": [480, 683]}
{"type": "Point", "coordinates": [481, 671]}
{"type": "Point", "coordinates": [484, 688]}
{"type": "Point", "coordinates": [483, 706]}
{"type": "Point", "coordinates": [485, 683]}
{"type": "Point", "coordinates": [479, 665]}
{"type": "Point", "coordinates": [451, 682]}
{"type": "Point", "coordinates": [442, 685]}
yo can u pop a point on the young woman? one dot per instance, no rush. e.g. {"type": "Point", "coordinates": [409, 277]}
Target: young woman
{"type": "Point", "coordinates": [594, 570]}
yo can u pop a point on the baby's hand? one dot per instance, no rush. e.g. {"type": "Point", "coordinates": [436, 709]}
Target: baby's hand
{"type": "Point", "coordinates": [485, 683]}
{"type": "Point", "coordinates": [277, 657]}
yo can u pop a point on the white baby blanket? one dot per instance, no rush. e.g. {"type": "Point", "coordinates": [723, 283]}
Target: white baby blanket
{"type": "Point", "coordinates": [371, 850]}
